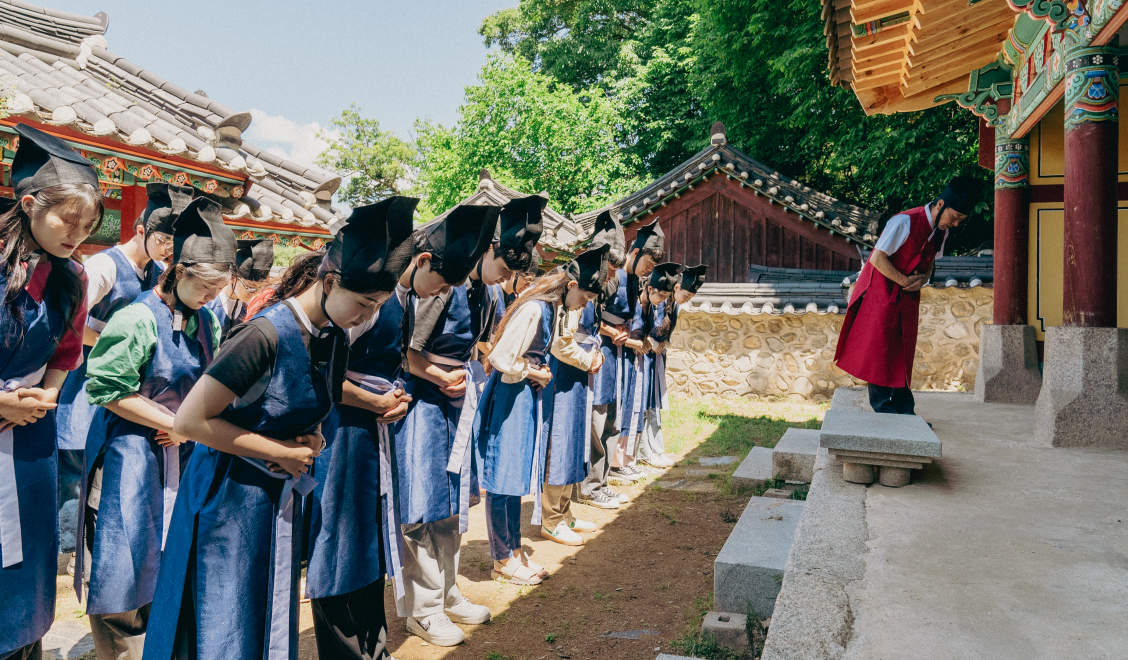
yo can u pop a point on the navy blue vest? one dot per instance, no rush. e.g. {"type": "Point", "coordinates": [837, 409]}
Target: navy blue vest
{"type": "Point", "coordinates": [127, 287]}
{"type": "Point", "coordinates": [452, 336]}
{"type": "Point", "coordinates": [296, 399]}
{"type": "Point", "coordinates": [377, 352]}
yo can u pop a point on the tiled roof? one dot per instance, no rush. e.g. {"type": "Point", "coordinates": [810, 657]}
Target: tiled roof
{"type": "Point", "coordinates": [59, 70]}
{"type": "Point", "coordinates": [856, 224]}
{"type": "Point", "coordinates": [804, 291]}
{"type": "Point", "coordinates": [560, 233]}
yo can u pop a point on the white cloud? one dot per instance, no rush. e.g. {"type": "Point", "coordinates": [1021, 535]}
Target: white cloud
{"type": "Point", "coordinates": [285, 137]}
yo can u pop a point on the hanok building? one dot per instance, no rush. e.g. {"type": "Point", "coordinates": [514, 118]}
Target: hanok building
{"type": "Point", "coordinates": [1044, 77]}
{"type": "Point", "coordinates": [136, 127]}
{"type": "Point", "coordinates": [726, 209]}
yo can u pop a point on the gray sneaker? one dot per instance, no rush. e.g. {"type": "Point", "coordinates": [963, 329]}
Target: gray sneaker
{"type": "Point", "coordinates": [621, 498]}
{"type": "Point", "coordinates": [600, 499]}
{"type": "Point", "coordinates": [627, 473]}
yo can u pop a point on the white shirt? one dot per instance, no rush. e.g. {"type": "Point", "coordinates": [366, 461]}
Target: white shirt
{"type": "Point", "coordinates": [101, 273]}
{"type": "Point", "coordinates": [896, 232]}
{"type": "Point", "coordinates": [508, 354]}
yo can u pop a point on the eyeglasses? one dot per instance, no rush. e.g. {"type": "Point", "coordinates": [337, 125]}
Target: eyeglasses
{"type": "Point", "coordinates": [161, 240]}
{"type": "Point", "coordinates": [251, 289]}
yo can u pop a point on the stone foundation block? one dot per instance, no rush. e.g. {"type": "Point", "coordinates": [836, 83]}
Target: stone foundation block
{"type": "Point", "coordinates": [793, 459]}
{"type": "Point", "coordinates": [748, 569]}
{"type": "Point", "coordinates": [754, 470]}
{"type": "Point", "coordinates": [1008, 365]}
{"type": "Point", "coordinates": [1084, 397]}
{"type": "Point", "coordinates": [849, 398]}
{"type": "Point", "coordinates": [857, 473]}
{"type": "Point", "coordinates": [893, 477]}
{"type": "Point", "coordinates": [906, 435]}
{"type": "Point", "coordinates": [729, 629]}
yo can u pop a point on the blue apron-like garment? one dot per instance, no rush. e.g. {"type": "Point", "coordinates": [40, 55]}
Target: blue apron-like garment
{"type": "Point", "coordinates": [507, 426]}
{"type": "Point", "coordinates": [227, 321]}
{"type": "Point", "coordinates": [658, 400]}
{"type": "Point", "coordinates": [236, 529]}
{"type": "Point", "coordinates": [139, 477]}
{"type": "Point", "coordinates": [75, 415]}
{"type": "Point", "coordinates": [567, 414]}
{"type": "Point", "coordinates": [609, 381]}
{"type": "Point", "coordinates": [354, 499]}
{"type": "Point", "coordinates": [425, 438]}
{"type": "Point", "coordinates": [29, 533]}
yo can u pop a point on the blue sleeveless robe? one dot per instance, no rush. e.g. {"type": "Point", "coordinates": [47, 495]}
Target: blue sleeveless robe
{"type": "Point", "coordinates": [75, 415]}
{"type": "Point", "coordinates": [349, 506]}
{"type": "Point", "coordinates": [508, 423]}
{"type": "Point", "coordinates": [608, 382]}
{"type": "Point", "coordinates": [131, 512]}
{"type": "Point", "coordinates": [226, 321]}
{"type": "Point", "coordinates": [427, 492]}
{"type": "Point", "coordinates": [637, 378]}
{"type": "Point", "coordinates": [668, 309]}
{"type": "Point", "coordinates": [27, 604]}
{"type": "Point", "coordinates": [223, 557]}
{"type": "Point", "coordinates": [567, 413]}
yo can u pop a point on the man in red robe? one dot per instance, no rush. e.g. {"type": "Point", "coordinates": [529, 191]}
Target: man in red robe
{"type": "Point", "coordinates": [878, 339]}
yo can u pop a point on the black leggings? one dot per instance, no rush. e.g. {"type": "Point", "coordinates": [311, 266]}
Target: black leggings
{"type": "Point", "coordinates": [895, 400]}
{"type": "Point", "coordinates": [352, 626]}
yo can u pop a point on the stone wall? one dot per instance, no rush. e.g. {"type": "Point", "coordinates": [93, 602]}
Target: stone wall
{"type": "Point", "coordinates": [764, 355]}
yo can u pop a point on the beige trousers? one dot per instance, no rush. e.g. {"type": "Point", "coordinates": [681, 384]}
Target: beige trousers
{"type": "Point", "coordinates": [556, 505]}
{"type": "Point", "coordinates": [430, 566]}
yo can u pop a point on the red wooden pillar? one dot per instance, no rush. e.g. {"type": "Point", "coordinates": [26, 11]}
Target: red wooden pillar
{"type": "Point", "coordinates": [1012, 226]}
{"type": "Point", "coordinates": [133, 200]}
{"type": "Point", "coordinates": [1091, 138]}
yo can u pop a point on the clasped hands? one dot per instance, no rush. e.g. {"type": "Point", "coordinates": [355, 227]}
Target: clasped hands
{"type": "Point", "coordinates": [25, 405]}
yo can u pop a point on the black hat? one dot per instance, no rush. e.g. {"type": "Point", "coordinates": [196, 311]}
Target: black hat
{"type": "Point", "coordinates": [364, 252]}
{"type": "Point", "coordinates": [200, 237]}
{"type": "Point", "coordinates": [254, 258]}
{"type": "Point", "coordinates": [166, 201]}
{"type": "Point", "coordinates": [589, 269]}
{"type": "Point", "coordinates": [693, 278]}
{"type": "Point", "coordinates": [650, 237]}
{"type": "Point", "coordinates": [44, 160]}
{"type": "Point", "coordinates": [461, 238]}
{"type": "Point", "coordinates": [520, 225]}
{"type": "Point", "coordinates": [608, 231]}
{"type": "Point", "coordinates": [962, 194]}
{"type": "Point", "coordinates": [665, 276]}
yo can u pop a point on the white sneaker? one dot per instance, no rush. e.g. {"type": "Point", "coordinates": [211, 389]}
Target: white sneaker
{"type": "Point", "coordinates": [582, 526]}
{"type": "Point", "coordinates": [436, 629]}
{"type": "Point", "coordinates": [621, 498]}
{"type": "Point", "coordinates": [563, 534]}
{"type": "Point", "coordinates": [662, 461]}
{"type": "Point", "coordinates": [468, 613]}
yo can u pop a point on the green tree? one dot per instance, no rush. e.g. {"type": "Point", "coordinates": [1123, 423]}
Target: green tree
{"type": "Point", "coordinates": [377, 162]}
{"type": "Point", "coordinates": [532, 134]}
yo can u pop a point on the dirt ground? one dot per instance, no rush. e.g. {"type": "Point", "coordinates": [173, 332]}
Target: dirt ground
{"type": "Point", "coordinates": [647, 568]}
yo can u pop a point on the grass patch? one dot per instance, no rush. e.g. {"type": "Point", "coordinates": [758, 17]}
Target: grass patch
{"type": "Point", "coordinates": [732, 427]}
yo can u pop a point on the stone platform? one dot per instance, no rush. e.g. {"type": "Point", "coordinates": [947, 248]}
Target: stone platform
{"type": "Point", "coordinates": [748, 568]}
{"type": "Point", "coordinates": [1005, 548]}
{"type": "Point", "coordinates": [793, 458]}
{"type": "Point", "coordinates": [755, 469]}
{"type": "Point", "coordinates": [878, 445]}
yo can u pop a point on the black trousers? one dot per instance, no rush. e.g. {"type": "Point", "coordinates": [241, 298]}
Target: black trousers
{"type": "Point", "coordinates": [894, 400]}
{"type": "Point", "coordinates": [352, 626]}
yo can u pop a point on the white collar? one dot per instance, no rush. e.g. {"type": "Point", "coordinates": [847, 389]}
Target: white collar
{"type": "Point", "coordinates": [401, 294]}
{"type": "Point", "coordinates": [228, 304]}
{"type": "Point", "coordinates": [928, 214]}
{"type": "Point", "coordinates": [302, 318]}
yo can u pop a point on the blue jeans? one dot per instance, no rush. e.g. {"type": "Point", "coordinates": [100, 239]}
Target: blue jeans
{"type": "Point", "coordinates": [503, 525]}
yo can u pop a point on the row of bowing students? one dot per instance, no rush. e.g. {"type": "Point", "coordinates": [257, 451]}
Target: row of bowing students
{"type": "Point", "coordinates": [224, 432]}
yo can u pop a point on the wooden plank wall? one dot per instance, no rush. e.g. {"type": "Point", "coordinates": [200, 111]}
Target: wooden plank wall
{"type": "Point", "coordinates": [731, 229]}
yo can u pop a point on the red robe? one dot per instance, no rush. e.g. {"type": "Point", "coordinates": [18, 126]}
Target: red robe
{"type": "Point", "coordinates": [878, 339]}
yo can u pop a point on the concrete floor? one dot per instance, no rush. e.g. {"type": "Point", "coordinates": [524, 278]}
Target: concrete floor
{"type": "Point", "coordinates": [1003, 548]}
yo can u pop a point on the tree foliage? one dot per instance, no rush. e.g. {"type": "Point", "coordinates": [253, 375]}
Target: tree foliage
{"type": "Point", "coordinates": [533, 135]}
{"type": "Point", "coordinates": [674, 66]}
{"type": "Point", "coordinates": [377, 162]}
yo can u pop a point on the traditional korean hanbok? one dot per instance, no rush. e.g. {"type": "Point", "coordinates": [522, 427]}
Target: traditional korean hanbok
{"type": "Point", "coordinates": [35, 337]}
{"type": "Point", "coordinates": [132, 480]}
{"type": "Point", "coordinates": [253, 260]}
{"type": "Point", "coordinates": [229, 575]}
{"type": "Point", "coordinates": [29, 537]}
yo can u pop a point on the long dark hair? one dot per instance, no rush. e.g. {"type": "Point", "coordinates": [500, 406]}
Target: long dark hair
{"type": "Point", "coordinates": [299, 276]}
{"type": "Point", "coordinates": [64, 284]}
{"type": "Point", "coordinates": [551, 289]}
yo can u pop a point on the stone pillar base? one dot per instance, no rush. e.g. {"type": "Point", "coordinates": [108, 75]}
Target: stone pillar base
{"type": "Point", "coordinates": [1084, 399]}
{"type": "Point", "coordinates": [1008, 365]}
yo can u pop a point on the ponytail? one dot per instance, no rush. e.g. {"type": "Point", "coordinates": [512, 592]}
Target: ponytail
{"type": "Point", "coordinates": [300, 276]}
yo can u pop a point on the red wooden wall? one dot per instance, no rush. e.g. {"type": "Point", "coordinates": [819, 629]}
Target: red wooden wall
{"type": "Point", "coordinates": [729, 228]}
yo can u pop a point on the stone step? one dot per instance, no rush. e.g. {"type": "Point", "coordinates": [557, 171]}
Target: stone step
{"type": "Point", "coordinates": [793, 458]}
{"type": "Point", "coordinates": [667, 656]}
{"type": "Point", "coordinates": [849, 398]}
{"type": "Point", "coordinates": [729, 628]}
{"type": "Point", "coordinates": [748, 570]}
{"type": "Point", "coordinates": [754, 470]}
{"type": "Point", "coordinates": [903, 435]}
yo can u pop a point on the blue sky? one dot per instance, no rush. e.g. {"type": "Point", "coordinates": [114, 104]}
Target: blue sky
{"type": "Point", "coordinates": [296, 65]}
